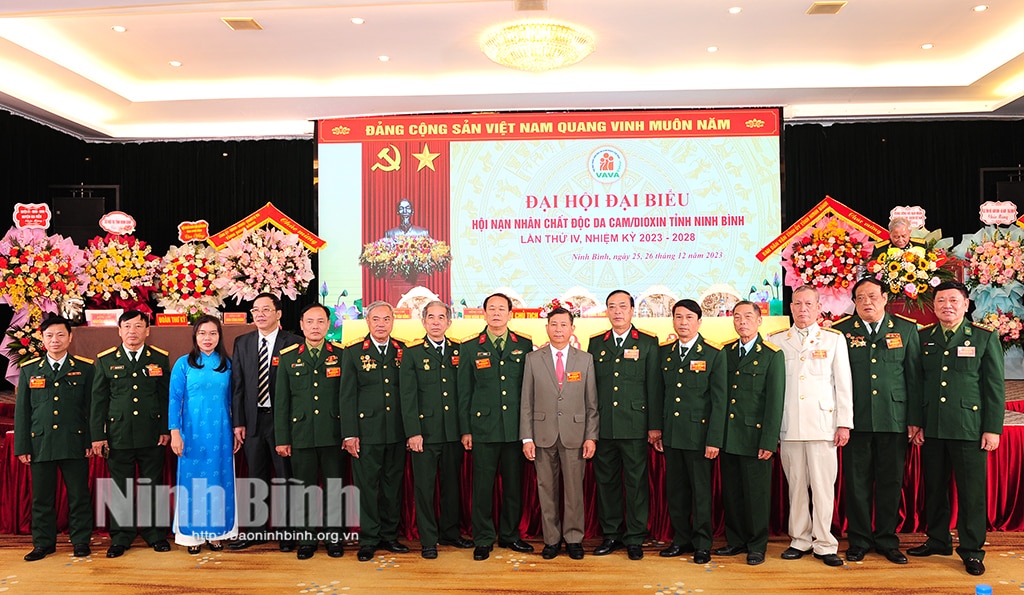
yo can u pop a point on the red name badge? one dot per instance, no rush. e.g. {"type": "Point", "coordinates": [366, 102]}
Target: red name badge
{"type": "Point", "coordinates": [483, 364]}
{"type": "Point", "coordinates": [893, 340]}
{"type": "Point", "coordinates": [333, 372]}
{"type": "Point", "coordinates": [633, 354]}
{"type": "Point", "coordinates": [819, 354]}
{"type": "Point", "coordinates": [965, 351]}
{"type": "Point", "coordinates": [455, 360]}
{"type": "Point", "coordinates": [154, 370]}
{"type": "Point", "coordinates": [274, 361]}
{"type": "Point", "coordinates": [37, 382]}
{"type": "Point", "coordinates": [698, 366]}
{"type": "Point", "coordinates": [574, 376]}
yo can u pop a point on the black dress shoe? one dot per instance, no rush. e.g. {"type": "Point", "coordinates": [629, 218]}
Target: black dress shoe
{"type": "Point", "coordinates": [575, 550]}
{"type": "Point", "coordinates": [608, 546]}
{"type": "Point", "coordinates": [791, 553]}
{"type": "Point", "coordinates": [635, 551]}
{"type": "Point", "coordinates": [305, 552]}
{"type": "Point", "coordinates": [927, 550]}
{"type": "Point", "coordinates": [755, 558]}
{"type": "Point", "coordinates": [245, 544]}
{"type": "Point", "coordinates": [82, 550]}
{"type": "Point", "coordinates": [429, 552]}
{"type": "Point", "coordinates": [550, 551]}
{"type": "Point", "coordinates": [193, 550]}
{"type": "Point", "coordinates": [366, 553]}
{"type": "Point", "coordinates": [855, 554]}
{"type": "Point", "coordinates": [701, 557]}
{"type": "Point", "coordinates": [730, 550]}
{"type": "Point", "coordinates": [38, 553]}
{"type": "Point", "coordinates": [335, 549]}
{"type": "Point", "coordinates": [675, 550]}
{"type": "Point", "coordinates": [894, 555]}
{"type": "Point", "coordinates": [393, 546]}
{"type": "Point", "coordinates": [517, 546]}
{"type": "Point", "coordinates": [286, 546]}
{"type": "Point", "coordinates": [159, 546]}
{"type": "Point", "coordinates": [459, 542]}
{"type": "Point", "coordinates": [117, 550]}
{"type": "Point", "coordinates": [216, 547]}
{"type": "Point", "coordinates": [482, 552]}
{"type": "Point", "coordinates": [974, 566]}
{"type": "Point", "coordinates": [830, 559]}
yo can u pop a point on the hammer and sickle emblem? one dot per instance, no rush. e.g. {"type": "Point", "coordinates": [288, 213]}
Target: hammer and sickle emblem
{"type": "Point", "coordinates": [393, 163]}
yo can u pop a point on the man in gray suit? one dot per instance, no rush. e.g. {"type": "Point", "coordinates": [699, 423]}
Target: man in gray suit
{"type": "Point", "coordinates": [558, 426]}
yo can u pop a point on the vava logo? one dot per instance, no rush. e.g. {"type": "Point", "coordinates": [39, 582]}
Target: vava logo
{"type": "Point", "coordinates": [607, 164]}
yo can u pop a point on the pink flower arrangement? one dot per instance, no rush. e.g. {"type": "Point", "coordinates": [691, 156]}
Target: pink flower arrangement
{"type": "Point", "coordinates": [406, 256]}
{"type": "Point", "coordinates": [996, 261]}
{"type": "Point", "coordinates": [1008, 325]}
{"type": "Point", "coordinates": [264, 260]}
{"type": "Point", "coordinates": [827, 257]}
{"type": "Point", "coordinates": [41, 273]}
{"type": "Point", "coordinates": [187, 280]}
{"type": "Point", "coordinates": [910, 273]}
{"type": "Point", "coordinates": [546, 309]}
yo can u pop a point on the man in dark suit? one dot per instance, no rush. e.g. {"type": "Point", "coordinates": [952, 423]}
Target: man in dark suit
{"type": "Point", "coordinates": [371, 424]}
{"type": "Point", "coordinates": [629, 400]}
{"type": "Point", "coordinates": [756, 382]}
{"type": "Point", "coordinates": [490, 392]}
{"type": "Point", "coordinates": [129, 421]}
{"type": "Point", "coordinates": [960, 411]}
{"type": "Point", "coordinates": [558, 426]}
{"type": "Point", "coordinates": [431, 420]}
{"type": "Point", "coordinates": [693, 372]}
{"type": "Point", "coordinates": [885, 354]}
{"type": "Point", "coordinates": [306, 421]}
{"type": "Point", "coordinates": [254, 366]}
{"type": "Point", "coordinates": [51, 432]}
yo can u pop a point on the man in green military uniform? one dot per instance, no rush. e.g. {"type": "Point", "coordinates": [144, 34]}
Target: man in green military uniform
{"type": "Point", "coordinates": [51, 432]}
{"type": "Point", "coordinates": [306, 420]}
{"type": "Point", "coordinates": [884, 361]}
{"type": "Point", "coordinates": [129, 425]}
{"type": "Point", "coordinates": [431, 421]}
{"type": "Point", "coordinates": [694, 377]}
{"type": "Point", "coordinates": [961, 407]}
{"type": "Point", "coordinates": [629, 405]}
{"type": "Point", "coordinates": [756, 385]}
{"type": "Point", "coordinates": [371, 425]}
{"type": "Point", "coordinates": [490, 391]}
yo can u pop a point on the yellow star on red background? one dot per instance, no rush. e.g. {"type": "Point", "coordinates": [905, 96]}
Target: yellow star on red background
{"type": "Point", "coordinates": [426, 158]}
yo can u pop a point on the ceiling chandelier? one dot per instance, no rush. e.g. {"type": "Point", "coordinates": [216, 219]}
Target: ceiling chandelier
{"type": "Point", "coordinates": [537, 45]}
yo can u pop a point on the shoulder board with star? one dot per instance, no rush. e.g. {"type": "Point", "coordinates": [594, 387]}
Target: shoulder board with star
{"type": "Point", "coordinates": [29, 362]}
{"type": "Point", "coordinates": [337, 344]}
{"type": "Point", "coordinates": [882, 244]}
{"type": "Point", "coordinates": [106, 352]}
{"type": "Point", "coordinates": [643, 332]}
{"type": "Point", "coordinates": [603, 334]}
{"type": "Point", "coordinates": [843, 319]}
{"type": "Point", "coordinates": [831, 330]}
{"type": "Point", "coordinates": [512, 335]}
{"type": "Point", "coordinates": [667, 342]}
{"type": "Point", "coordinates": [290, 348]}
{"type": "Point", "coordinates": [902, 317]}
{"type": "Point", "coordinates": [769, 345]}
{"type": "Point", "coordinates": [474, 337]}
{"type": "Point", "coordinates": [414, 342]}
{"type": "Point", "coordinates": [730, 342]}
{"type": "Point", "coordinates": [929, 326]}
{"type": "Point", "coordinates": [352, 341]}
{"type": "Point", "coordinates": [770, 335]}
{"type": "Point", "coordinates": [158, 350]}
{"type": "Point", "coordinates": [397, 344]}
{"type": "Point", "coordinates": [713, 345]}
{"type": "Point", "coordinates": [983, 327]}
{"type": "Point", "coordinates": [84, 359]}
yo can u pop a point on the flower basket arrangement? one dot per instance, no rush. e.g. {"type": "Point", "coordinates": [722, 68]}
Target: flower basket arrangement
{"type": "Point", "coordinates": [122, 271]}
{"type": "Point", "coordinates": [574, 309]}
{"type": "Point", "coordinates": [262, 260]}
{"type": "Point", "coordinates": [22, 341]}
{"type": "Point", "coordinates": [829, 257]}
{"type": "Point", "coordinates": [1009, 326]}
{"type": "Point", "coordinates": [41, 273]}
{"type": "Point", "coordinates": [910, 273]}
{"type": "Point", "coordinates": [187, 280]}
{"type": "Point", "coordinates": [405, 257]}
{"type": "Point", "coordinates": [994, 270]}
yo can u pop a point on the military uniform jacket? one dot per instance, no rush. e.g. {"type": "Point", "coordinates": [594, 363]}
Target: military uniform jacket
{"type": "Point", "coordinates": [756, 391]}
{"type": "Point", "coordinates": [51, 417]}
{"type": "Point", "coordinates": [819, 391]}
{"type": "Point", "coordinates": [963, 393]}
{"type": "Point", "coordinates": [490, 387]}
{"type": "Point", "coordinates": [885, 369]}
{"type": "Point", "coordinates": [629, 385]}
{"type": "Point", "coordinates": [307, 410]}
{"type": "Point", "coordinates": [371, 407]}
{"type": "Point", "coordinates": [694, 402]}
{"type": "Point", "coordinates": [429, 392]}
{"type": "Point", "coordinates": [129, 399]}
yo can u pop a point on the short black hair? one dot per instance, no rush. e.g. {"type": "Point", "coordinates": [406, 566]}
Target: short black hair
{"type": "Point", "coordinates": [55, 320]}
{"type": "Point", "coordinates": [871, 280]}
{"type": "Point", "coordinates": [560, 310]}
{"type": "Point", "coordinates": [132, 315]}
{"type": "Point", "coordinates": [690, 305]}
{"type": "Point", "coordinates": [309, 307]}
{"type": "Point", "coordinates": [757, 309]}
{"type": "Point", "coordinates": [273, 298]}
{"type": "Point", "coordinates": [614, 291]}
{"type": "Point", "coordinates": [498, 295]}
{"type": "Point", "coordinates": [953, 285]}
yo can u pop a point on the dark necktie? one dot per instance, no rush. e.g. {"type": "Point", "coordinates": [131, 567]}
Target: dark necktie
{"type": "Point", "coordinates": [383, 349]}
{"type": "Point", "coordinates": [618, 341]}
{"type": "Point", "coordinates": [743, 351]}
{"type": "Point", "coordinates": [263, 378]}
{"type": "Point", "coordinates": [440, 348]}
{"type": "Point", "coordinates": [315, 353]}
{"type": "Point", "coordinates": [948, 333]}
{"type": "Point", "coordinates": [683, 351]}
{"type": "Point", "coordinates": [499, 343]}
{"type": "Point", "coordinates": [56, 367]}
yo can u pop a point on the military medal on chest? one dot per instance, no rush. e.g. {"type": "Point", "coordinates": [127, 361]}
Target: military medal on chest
{"type": "Point", "coordinates": [368, 362]}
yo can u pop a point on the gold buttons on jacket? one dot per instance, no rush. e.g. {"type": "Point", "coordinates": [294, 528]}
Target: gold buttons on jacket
{"type": "Point", "coordinates": [874, 376]}
{"type": "Point", "coordinates": [54, 426]}
{"type": "Point", "coordinates": [679, 385]}
{"type": "Point", "coordinates": [943, 383]}
{"type": "Point", "coordinates": [316, 412]}
{"type": "Point", "coordinates": [733, 401]}
{"type": "Point", "coordinates": [615, 389]}
{"type": "Point", "coordinates": [135, 412]}
{"type": "Point", "coordinates": [362, 415]}
{"type": "Point", "coordinates": [975, 408]}
{"type": "Point", "coordinates": [678, 399]}
{"type": "Point", "coordinates": [503, 377]}
{"type": "Point", "coordinates": [446, 408]}
{"type": "Point", "coordinates": [732, 415]}
{"type": "Point", "coordinates": [387, 380]}
{"type": "Point", "coordinates": [55, 412]}
{"type": "Point", "coordinates": [616, 374]}
{"type": "Point", "coordinates": [504, 407]}
{"type": "Point", "coordinates": [874, 392]}
{"type": "Point", "coordinates": [316, 397]}
{"type": "Point", "coordinates": [615, 403]}
{"type": "Point", "coordinates": [56, 398]}
{"type": "Point", "coordinates": [945, 368]}
{"type": "Point", "coordinates": [942, 399]}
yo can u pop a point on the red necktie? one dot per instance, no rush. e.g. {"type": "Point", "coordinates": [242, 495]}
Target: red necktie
{"type": "Point", "coordinates": [559, 368]}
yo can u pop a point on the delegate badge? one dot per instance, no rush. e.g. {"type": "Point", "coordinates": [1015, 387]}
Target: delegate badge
{"type": "Point", "coordinates": [893, 340]}
{"type": "Point", "coordinates": [964, 351]}
{"type": "Point", "coordinates": [698, 366]}
{"type": "Point", "coordinates": [633, 354]}
{"type": "Point", "coordinates": [483, 364]}
{"type": "Point", "coordinates": [275, 361]}
{"type": "Point", "coordinates": [333, 372]}
{"type": "Point", "coordinates": [37, 382]}
{"type": "Point", "coordinates": [154, 370]}
{"type": "Point", "coordinates": [819, 354]}
{"type": "Point", "coordinates": [574, 376]}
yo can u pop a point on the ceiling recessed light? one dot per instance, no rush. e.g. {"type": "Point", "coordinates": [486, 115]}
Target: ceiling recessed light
{"type": "Point", "coordinates": [712, 49]}
{"type": "Point", "coordinates": [118, 29]}
{"type": "Point", "coordinates": [383, 58]}
{"type": "Point", "coordinates": [357, 21]}
{"type": "Point", "coordinates": [174, 63]}
{"type": "Point", "coordinates": [926, 46]}
{"type": "Point", "coordinates": [735, 10]}
{"type": "Point", "coordinates": [980, 8]}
